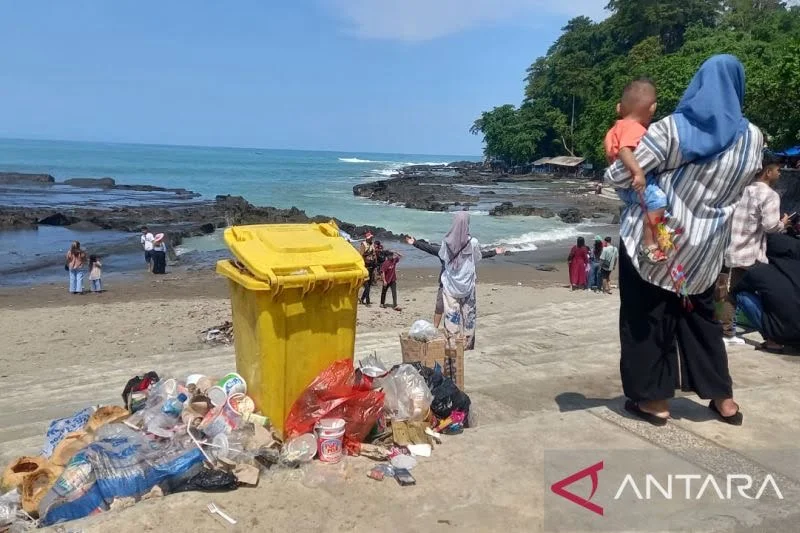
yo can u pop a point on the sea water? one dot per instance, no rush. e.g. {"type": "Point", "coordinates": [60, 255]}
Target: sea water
{"type": "Point", "coordinates": [320, 183]}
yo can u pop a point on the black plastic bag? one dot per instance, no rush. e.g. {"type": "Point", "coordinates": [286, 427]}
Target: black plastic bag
{"type": "Point", "coordinates": [210, 481]}
{"type": "Point", "coordinates": [447, 397]}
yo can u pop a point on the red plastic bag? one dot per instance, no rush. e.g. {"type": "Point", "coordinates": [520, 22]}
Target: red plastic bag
{"type": "Point", "coordinates": [335, 394]}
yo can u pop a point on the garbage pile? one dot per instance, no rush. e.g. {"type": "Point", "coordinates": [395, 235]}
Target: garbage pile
{"type": "Point", "coordinates": [222, 334]}
{"type": "Point", "coordinates": [204, 434]}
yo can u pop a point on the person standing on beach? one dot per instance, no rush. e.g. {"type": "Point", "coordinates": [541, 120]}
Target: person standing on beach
{"type": "Point", "coordinates": [702, 155]}
{"type": "Point", "coordinates": [147, 243]}
{"type": "Point", "coordinates": [434, 249]}
{"type": "Point", "coordinates": [367, 250]}
{"type": "Point", "coordinates": [76, 265]}
{"type": "Point", "coordinates": [389, 276]}
{"type": "Point", "coordinates": [595, 280]}
{"type": "Point", "coordinates": [578, 260]}
{"type": "Point", "coordinates": [159, 253]}
{"type": "Point", "coordinates": [608, 262]}
{"type": "Point", "coordinates": [757, 214]}
{"type": "Point", "coordinates": [95, 274]}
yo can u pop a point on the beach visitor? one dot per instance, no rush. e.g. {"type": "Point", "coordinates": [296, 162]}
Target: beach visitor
{"type": "Point", "coordinates": [608, 262]}
{"type": "Point", "coordinates": [159, 254]}
{"type": "Point", "coordinates": [757, 214]}
{"type": "Point", "coordinates": [147, 243]}
{"type": "Point", "coordinates": [389, 277]}
{"type": "Point", "coordinates": [460, 253]}
{"type": "Point", "coordinates": [578, 259]}
{"type": "Point", "coordinates": [703, 155]}
{"type": "Point", "coordinates": [637, 107]}
{"type": "Point", "coordinates": [95, 274]}
{"type": "Point", "coordinates": [367, 250]}
{"type": "Point", "coordinates": [434, 249]}
{"type": "Point", "coordinates": [76, 265]}
{"type": "Point", "coordinates": [595, 281]}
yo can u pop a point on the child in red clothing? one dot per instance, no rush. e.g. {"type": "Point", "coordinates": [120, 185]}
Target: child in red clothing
{"type": "Point", "coordinates": [389, 275]}
{"type": "Point", "coordinates": [637, 107]}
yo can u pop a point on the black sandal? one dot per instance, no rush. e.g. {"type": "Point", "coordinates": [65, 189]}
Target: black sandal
{"type": "Point", "coordinates": [735, 419]}
{"type": "Point", "coordinates": [633, 408]}
{"type": "Point", "coordinates": [764, 347]}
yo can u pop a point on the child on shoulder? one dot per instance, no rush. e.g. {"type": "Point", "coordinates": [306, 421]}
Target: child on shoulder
{"type": "Point", "coordinates": [637, 107]}
{"type": "Point", "coordinates": [389, 275]}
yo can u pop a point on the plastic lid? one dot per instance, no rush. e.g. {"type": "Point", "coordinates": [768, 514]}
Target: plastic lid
{"type": "Point", "coordinates": [295, 254]}
{"type": "Point", "coordinates": [182, 397]}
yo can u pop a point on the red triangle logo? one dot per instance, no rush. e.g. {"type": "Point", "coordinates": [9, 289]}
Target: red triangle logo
{"type": "Point", "coordinates": [559, 487]}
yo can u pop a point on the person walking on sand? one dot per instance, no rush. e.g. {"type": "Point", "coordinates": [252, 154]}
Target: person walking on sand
{"type": "Point", "coordinates": [434, 249]}
{"type": "Point", "coordinates": [608, 262]}
{"type": "Point", "coordinates": [95, 274]}
{"type": "Point", "coordinates": [595, 280]}
{"type": "Point", "coordinates": [147, 243]}
{"type": "Point", "coordinates": [757, 214]}
{"type": "Point", "coordinates": [702, 156]}
{"type": "Point", "coordinates": [370, 257]}
{"type": "Point", "coordinates": [578, 259]}
{"type": "Point", "coordinates": [76, 266]}
{"type": "Point", "coordinates": [389, 276]}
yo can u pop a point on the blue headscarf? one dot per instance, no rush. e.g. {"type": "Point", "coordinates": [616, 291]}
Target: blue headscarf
{"type": "Point", "coordinates": [709, 116]}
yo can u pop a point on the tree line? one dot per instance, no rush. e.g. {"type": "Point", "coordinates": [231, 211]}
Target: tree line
{"type": "Point", "coordinates": [571, 92]}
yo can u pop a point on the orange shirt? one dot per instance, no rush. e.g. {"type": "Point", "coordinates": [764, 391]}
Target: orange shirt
{"type": "Point", "coordinates": [625, 133]}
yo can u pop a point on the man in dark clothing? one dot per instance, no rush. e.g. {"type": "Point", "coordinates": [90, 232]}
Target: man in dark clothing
{"type": "Point", "coordinates": [769, 293]}
{"type": "Point", "coordinates": [433, 249]}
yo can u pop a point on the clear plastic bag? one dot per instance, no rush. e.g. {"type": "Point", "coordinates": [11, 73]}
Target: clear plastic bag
{"type": "Point", "coordinates": [422, 330]}
{"type": "Point", "coordinates": [407, 395]}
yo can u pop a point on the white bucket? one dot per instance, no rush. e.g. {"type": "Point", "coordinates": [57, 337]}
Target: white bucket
{"type": "Point", "coordinates": [330, 435]}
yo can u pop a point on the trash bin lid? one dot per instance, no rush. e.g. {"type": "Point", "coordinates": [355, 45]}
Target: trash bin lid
{"type": "Point", "coordinates": [295, 254]}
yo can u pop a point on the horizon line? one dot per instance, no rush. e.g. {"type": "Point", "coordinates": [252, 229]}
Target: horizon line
{"type": "Point", "coordinates": [177, 145]}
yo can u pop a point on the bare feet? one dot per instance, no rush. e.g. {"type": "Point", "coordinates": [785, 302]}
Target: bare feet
{"type": "Point", "coordinates": [659, 408]}
{"type": "Point", "coordinates": [727, 407]}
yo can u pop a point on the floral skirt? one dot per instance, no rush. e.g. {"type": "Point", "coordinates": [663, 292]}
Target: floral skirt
{"type": "Point", "coordinates": [460, 317]}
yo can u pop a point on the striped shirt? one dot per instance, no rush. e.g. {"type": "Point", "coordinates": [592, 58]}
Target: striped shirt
{"type": "Point", "coordinates": [758, 213]}
{"type": "Point", "coordinates": [701, 198]}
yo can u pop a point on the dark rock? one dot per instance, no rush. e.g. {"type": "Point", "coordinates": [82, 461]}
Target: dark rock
{"type": "Point", "coordinates": [10, 178]}
{"type": "Point", "coordinates": [207, 228]}
{"type": "Point", "coordinates": [546, 268]}
{"type": "Point", "coordinates": [57, 219]}
{"type": "Point", "coordinates": [418, 191]}
{"type": "Point", "coordinates": [571, 215]}
{"type": "Point", "coordinates": [99, 183]}
{"type": "Point", "coordinates": [489, 192]}
{"type": "Point", "coordinates": [508, 209]}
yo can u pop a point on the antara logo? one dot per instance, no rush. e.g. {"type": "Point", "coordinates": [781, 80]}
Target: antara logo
{"type": "Point", "coordinates": [674, 486]}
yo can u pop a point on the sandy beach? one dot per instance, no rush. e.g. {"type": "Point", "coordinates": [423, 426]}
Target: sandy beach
{"type": "Point", "coordinates": [544, 377]}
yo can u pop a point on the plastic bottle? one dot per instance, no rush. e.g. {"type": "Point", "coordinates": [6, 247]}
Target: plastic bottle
{"type": "Point", "coordinates": [174, 406]}
{"type": "Point", "coordinates": [167, 417]}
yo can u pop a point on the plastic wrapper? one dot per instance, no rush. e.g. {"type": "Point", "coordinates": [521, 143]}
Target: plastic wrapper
{"type": "Point", "coordinates": [333, 394]}
{"type": "Point", "coordinates": [423, 331]}
{"type": "Point", "coordinates": [407, 395]}
{"type": "Point", "coordinates": [121, 463]}
{"type": "Point", "coordinates": [60, 428]}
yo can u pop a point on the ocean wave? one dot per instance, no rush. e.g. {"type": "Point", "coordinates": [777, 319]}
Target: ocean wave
{"type": "Point", "coordinates": [357, 160]}
{"type": "Point", "coordinates": [527, 242]}
{"type": "Point", "coordinates": [384, 172]}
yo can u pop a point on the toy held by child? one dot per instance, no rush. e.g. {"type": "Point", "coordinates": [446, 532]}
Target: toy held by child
{"type": "Point", "coordinates": [636, 109]}
{"type": "Point", "coordinates": [95, 273]}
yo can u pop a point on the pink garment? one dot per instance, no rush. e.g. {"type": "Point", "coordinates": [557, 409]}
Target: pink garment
{"type": "Point", "coordinates": [578, 260]}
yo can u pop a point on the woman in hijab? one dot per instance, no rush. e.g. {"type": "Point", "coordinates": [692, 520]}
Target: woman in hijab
{"type": "Point", "coordinates": [460, 253]}
{"type": "Point", "coordinates": [578, 260]}
{"type": "Point", "coordinates": [703, 156]}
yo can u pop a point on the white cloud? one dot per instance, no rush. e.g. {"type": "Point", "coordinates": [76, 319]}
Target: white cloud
{"type": "Point", "coordinates": [422, 20]}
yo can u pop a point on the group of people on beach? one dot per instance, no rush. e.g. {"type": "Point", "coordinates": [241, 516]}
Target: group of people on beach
{"type": "Point", "coordinates": [155, 251]}
{"type": "Point", "coordinates": [697, 186]}
{"type": "Point", "coordinates": [78, 263]}
{"type": "Point", "coordinates": [591, 268]}
{"type": "Point", "coordinates": [381, 266]}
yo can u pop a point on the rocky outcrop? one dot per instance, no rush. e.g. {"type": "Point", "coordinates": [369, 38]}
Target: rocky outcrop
{"type": "Point", "coordinates": [509, 209]}
{"type": "Point", "coordinates": [413, 193]}
{"type": "Point", "coordinates": [571, 215]}
{"type": "Point", "coordinates": [99, 183]}
{"type": "Point", "coordinates": [14, 178]}
{"type": "Point", "coordinates": [110, 183]}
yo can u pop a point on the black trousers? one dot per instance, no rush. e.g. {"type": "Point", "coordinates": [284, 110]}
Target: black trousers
{"type": "Point", "coordinates": [664, 345]}
{"type": "Point", "coordinates": [393, 286]}
{"type": "Point", "coordinates": [368, 285]}
{"type": "Point", "coordinates": [159, 262]}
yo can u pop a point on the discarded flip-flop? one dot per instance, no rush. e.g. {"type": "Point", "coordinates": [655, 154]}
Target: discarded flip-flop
{"type": "Point", "coordinates": [735, 419]}
{"type": "Point", "coordinates": [764, 347]}
{"type": "Point", "coordinates": [633, 408]}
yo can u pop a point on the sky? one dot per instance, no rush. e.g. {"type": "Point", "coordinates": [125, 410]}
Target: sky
{"type": "Point", "coordinates": [407, 76]}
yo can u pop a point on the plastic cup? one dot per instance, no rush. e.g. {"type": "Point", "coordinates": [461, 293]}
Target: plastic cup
{"type": "Point", "coordinates": [218, 396]}
{"type": "Point", "coordinates": [233, 383]}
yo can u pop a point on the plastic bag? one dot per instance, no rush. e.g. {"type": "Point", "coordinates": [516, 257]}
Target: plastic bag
{"type": "Point", "coordinates": [59, 428]}
{"type": "Point", "coordinates": [407, 395]}
{"type": "Point", "coordinates": [333, 394]}
{"type": "Point", "coordinates": [422, 330]}
{"type": "Point", "coordinates": [210, 481]}
{"type": "Point", "coordinates": [447, 397]}
{"type": "Point", "coordinates": [121, 463]}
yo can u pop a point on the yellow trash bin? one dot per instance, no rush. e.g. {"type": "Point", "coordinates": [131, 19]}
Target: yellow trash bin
{"type": "Point", "coordinates": [294, 295]}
